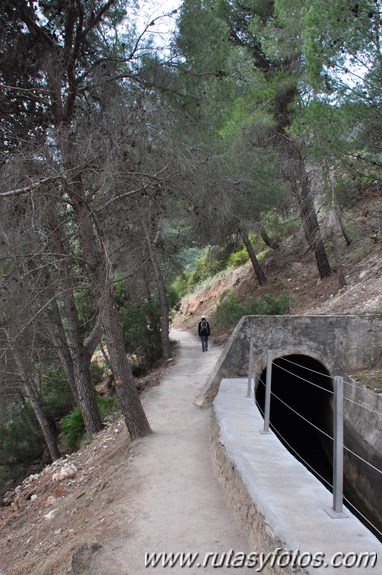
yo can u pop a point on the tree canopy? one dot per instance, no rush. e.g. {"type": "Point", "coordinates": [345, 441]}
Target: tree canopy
{"type": "Point", "coordinates": [119, 153]}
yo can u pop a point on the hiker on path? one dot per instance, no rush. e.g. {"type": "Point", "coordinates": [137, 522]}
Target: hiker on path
{"type": "Point", "coordinates": [204, 332]}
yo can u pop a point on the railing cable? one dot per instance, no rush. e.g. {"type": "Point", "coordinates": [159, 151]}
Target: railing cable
{"type": "Point", "coordinates": [364, 406]}
{"type": "Point", "coordinates": [362, 459]}
{"type": "Point", "coordinates": [363, 516]}
{"type": "Point", "coordinates": [306, 380]}
{"type": "Point", "coordinates": [304, 367]}
{"type": "Point", "coordinates": [302, 417]}
{"type": "Point", "coordinates": [315, 472]}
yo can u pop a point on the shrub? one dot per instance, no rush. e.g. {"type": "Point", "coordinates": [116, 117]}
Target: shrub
{"type": "Point", "coordinates": [238, 258]}
{"type": "Point", "coordinates": [72, 428]}
{"type": "Point", "coordinates": [141, 333]}
{"type": "Point", "coordinates": [229, 311]}
{"type": "Point", "coordinates": [55, 395]}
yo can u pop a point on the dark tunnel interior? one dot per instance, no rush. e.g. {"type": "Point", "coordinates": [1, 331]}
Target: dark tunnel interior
{"type": "Point", "coordinates": [301, 415]}
{"type": "Point", "coordinates": [301, 406]}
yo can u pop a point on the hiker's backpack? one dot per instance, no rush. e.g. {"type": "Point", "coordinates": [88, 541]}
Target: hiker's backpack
{"type": "Point", "coordinates": [203, 327]}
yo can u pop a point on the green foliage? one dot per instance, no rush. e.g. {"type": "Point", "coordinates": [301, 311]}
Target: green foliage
{"type": "Point", "coordinates": [229, 311]}
{"type": "Point", "coordinates": [238, 257]}
{"type": "Point", "coordinates": [72, 428]}
{"type": "Point", "coordinates": [55, 395]}
{"type": "Point", "coordinates": [141, 333]}
{"type": "Point", "coordinates": [212, 261]}
{"type": "Point", "coordinates": [182, 283]}
{"type": "Point", "coordinates": [21, 441]}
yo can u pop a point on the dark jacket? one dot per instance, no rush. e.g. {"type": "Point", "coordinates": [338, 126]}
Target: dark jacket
{"type": "Point", "coordinates": [200, 328]}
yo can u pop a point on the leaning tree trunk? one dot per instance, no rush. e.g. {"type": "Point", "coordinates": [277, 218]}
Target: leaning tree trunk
{"type": "Point", "coordinates": [303, 192]}
{"type": "Point", "coordinates": [74, 357]}
{"type": "Point", "coordinates": [252, 255]}
{"type": "Point", "coordinates": [336, 250]}
{"type": "Point", "coordinates": [313, 231]}
{"type": "Point", "coordinates": [342, 226]}
{"type": "Point", "coordinates": [128, 398]}
{"type": "Point", "coordinates": [270, 242]}
{"type": "Point", "coordinates": [29, 387]}
{"type": "Point", "coordinates": [95, 255]}
{"type": "Point", "coordinates": [294, 170]}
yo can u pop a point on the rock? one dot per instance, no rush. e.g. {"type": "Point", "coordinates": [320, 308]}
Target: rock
{"type": "Point", "coordinates": [51, 500]}
{"type": "Point", "coordinates": [8, 497]}
{"type": "Point", "coordinates": [51, 515]}
{"type": "Point", "coordinates": [82, 558]}
{"type": "Point", "coordinates": [67, 471]}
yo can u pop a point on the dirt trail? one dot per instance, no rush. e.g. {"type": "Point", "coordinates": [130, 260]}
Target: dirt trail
{"type": "Point", "coordinates": [173, 500]}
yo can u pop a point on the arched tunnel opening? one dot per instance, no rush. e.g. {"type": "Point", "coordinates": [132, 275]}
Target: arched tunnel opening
{"type": "Point", "coordinates": [301, 410]}
{"type": "Point", "coordinates": [301, 415]}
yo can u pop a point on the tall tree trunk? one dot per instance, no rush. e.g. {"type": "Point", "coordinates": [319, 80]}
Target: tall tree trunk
{"type": "Point", "coordinates": [336, 249]}
{"type": "Point", "coordinates": [96, 258]}
{"type": "Point", "coordinates": [20, 405]}
{"type": "Point", "coordinates": [81, 364]}
{"type": "Point", "coordinates": [128, 398]}
{"type": "Point", "coordinates": [57, 334]}
{"type": "Point", "coordinates": [299, 180]}
{"type": "Point", "coordinates": [29, 387]}
{"type": "Point", "coordinates": [74, 357]}
{"type": "Point", "coordinates": [164, 315]}
{"type": "Point", "coordinates": [342, 226]}
{"type": "Point", "coordinates": [252, 255]}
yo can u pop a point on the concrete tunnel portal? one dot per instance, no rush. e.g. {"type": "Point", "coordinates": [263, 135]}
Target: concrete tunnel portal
{"type": "Point", "coordinates": [308, 351]}
{"type": "Point", "coordinates": [301, 413]}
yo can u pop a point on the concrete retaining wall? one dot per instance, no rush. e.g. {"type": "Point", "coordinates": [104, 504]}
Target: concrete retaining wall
{"type": "Point", "coordinates": [278, 502]}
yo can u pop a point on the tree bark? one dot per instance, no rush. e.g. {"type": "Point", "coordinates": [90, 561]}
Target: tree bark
{"type": "Point", "coordinates": [95, 255]}
{"type": "Point", "coordinates": [86, 392]}
{"type": "Point", "coordinates": [252, 255]}
{"type": "Point", "coordinates": [74, 357]}
{"type": "Point", "coordinates": [301, 188]}
{"type": "Point", "coordinates": [29, 387]}
{"type": "Point", "coordinates": [165, 322]}
{"type": "Point", "coordinates": [58, 337]}
{"type": "Point", "coordinates": [343, 228]}
{"type": "Point", "coordinates": [128, 398]}
{"type": "Point", "coordinates": [266, 239]}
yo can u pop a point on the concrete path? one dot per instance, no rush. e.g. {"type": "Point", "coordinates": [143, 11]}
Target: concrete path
{"type": "Point", "coordinates": [175, 503]}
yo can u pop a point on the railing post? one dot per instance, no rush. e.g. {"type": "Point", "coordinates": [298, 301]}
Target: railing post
{"type": "Point", "coordinates": [268, 384]}
{"type": "Point", "coordinates": [250, 368]}
{"type": "Point", "coordinates": [338, 450]}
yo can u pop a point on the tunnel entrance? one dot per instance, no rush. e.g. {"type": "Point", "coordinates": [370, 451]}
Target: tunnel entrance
{"type": "Point", "coordinates": [301, 411]}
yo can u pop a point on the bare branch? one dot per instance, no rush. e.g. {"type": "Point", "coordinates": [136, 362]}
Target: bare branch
{"type": "Point", "coordinates": [31, 188]}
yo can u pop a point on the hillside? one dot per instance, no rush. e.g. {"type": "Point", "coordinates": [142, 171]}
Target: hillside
{"type": "Point", "coordinates": [288, 271]}
{"type": "Point", "coordinates": [87, 484]}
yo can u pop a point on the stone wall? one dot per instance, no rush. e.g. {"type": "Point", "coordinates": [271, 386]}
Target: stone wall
{"type": "Point", "coordinates": [340, 343]}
